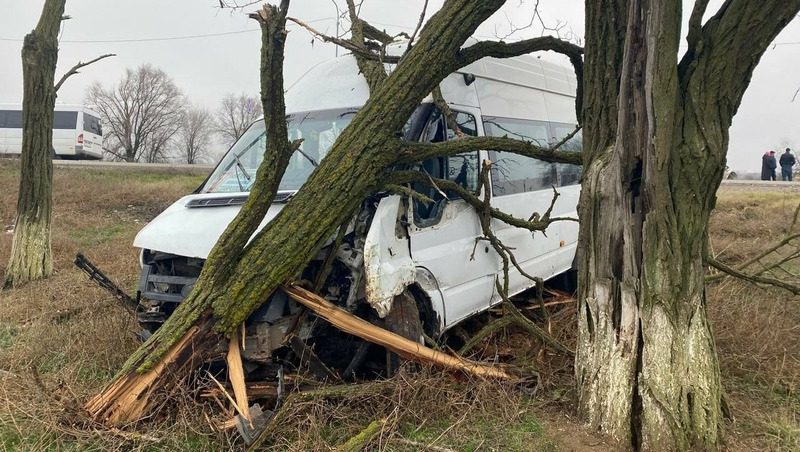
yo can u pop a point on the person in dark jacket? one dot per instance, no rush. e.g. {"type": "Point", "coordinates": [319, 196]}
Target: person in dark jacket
{"type": "Point", "coordinates": [768, 166]}
{"type": "Point", "coordinates": [787, 161]}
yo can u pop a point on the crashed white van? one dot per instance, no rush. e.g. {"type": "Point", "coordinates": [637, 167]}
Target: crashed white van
{"type": "Point", "coordinates": [397, 246]}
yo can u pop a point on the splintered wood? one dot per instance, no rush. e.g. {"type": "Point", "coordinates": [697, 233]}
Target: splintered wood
{"type": "Point", "coordinates": [406, 348]}
{"type": "Point", "coordinates": [128, 398]}
{"type": "Point", "coordinates": [236, 375]}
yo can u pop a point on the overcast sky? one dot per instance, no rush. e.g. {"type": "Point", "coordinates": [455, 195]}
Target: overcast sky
{"type": "Point", "coordinates": [207, 67]}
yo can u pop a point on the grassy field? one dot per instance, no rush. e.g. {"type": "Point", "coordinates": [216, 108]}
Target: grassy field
{"type": "Point", "coordinates": [62, 339]}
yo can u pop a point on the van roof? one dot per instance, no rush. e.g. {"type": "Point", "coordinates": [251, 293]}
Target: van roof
{"type": "Point", "coordinates": [58, 107]}
{"type": "Point", "coordinates": [331, 84]}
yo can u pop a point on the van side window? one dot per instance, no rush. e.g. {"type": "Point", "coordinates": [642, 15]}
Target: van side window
{"type": "Point", "coordinates": [11, 119]}
{"type": "Point", "coordinates": [462, 169]}
{"type": "Point", "coordinates": [512, 173]}
{"type": "Point", "coordinates": [65, 119]}
{"type": "Point", "coordinates": [92, 124]}
{"type": "Point", "coordinates": [567, 174]}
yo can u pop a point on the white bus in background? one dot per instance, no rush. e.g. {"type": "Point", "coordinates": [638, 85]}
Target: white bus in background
{"type": "Point", "coordinates": [77, 133]}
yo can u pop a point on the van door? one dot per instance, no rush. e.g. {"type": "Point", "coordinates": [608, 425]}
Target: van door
{"type": "Point", "coordinates": [65, 132]}
{"type": "Point", "coordinates": [443, 234]}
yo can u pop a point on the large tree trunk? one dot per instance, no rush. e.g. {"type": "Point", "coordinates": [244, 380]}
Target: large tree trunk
{"type": "Point", "coordinates": [30, 250]}
{"type": "Point", "coordinates": [657, 133]}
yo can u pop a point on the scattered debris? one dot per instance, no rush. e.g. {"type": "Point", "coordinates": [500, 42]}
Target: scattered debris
{"type": "Point", "coordinates": [103, 281]}
{"type": "Point", "coordinates": [249, 429]}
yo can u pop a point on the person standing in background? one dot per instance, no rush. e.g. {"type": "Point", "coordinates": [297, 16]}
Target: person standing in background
{"type": "Point", "coordinates": [787, 161]}
{"type": "Point", "coordinates": [768, 166]}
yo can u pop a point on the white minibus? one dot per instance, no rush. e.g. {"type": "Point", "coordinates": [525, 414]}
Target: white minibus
{"type": "Point", "coordinates": [435, 261]}
{"type": "Point", "coordinates": [77, 133]}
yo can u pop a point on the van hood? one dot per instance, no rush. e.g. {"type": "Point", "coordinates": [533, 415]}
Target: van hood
{"type": "Point", "coordinates": [192, 225]}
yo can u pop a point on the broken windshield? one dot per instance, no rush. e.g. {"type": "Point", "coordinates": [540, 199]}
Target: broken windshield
{"type": "Point", "coordinates": [318, 130]}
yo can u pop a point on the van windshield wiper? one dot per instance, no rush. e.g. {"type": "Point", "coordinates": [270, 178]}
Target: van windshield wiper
{"type": "Point", "coordinates": [241, 167]}
{"type": "Point", "coordinates": [310, 159]}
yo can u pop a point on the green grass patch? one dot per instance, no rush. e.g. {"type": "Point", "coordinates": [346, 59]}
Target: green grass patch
{"type": "Point", "coordinates": [52, 362]}
{"type": "Point", "coordinates": [144, 178]}
{"type": "Point", "coordinates": [786, 435]}
{"type": "Point", "coordinates": [95, 235]}
{"type": "Point", "coordinates": [480, 431]}
{"type": "Point", "coordinates": [7, 333]}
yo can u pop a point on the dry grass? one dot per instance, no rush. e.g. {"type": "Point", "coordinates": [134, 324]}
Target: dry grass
{"type": "Point", "coordinates": [73, 337]}
{"type": "Point", "coordinates": [64, 330]}
{"type": "Point", "coordinates": [757, 330]}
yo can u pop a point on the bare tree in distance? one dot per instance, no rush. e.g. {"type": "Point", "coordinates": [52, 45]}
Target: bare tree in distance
{"type": "Point", "coordinates": [142, 113]}
{"type": "Point", "coordinates": [31, 254]}
{"type": "Point", "coordinates": [194, 137]}
{"type": "Point", "coordinates": [234, 116]}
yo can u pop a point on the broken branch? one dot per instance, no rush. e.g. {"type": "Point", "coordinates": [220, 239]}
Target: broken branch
{"type": "Point", "coordinates": [364, 437]}
{"type": "Point", "coordinates": [532, 225]}
{"type": "Point", "coordinates": [345, 44]}
{"type": "Point", "coordinates": [236, 375]}
{"type": "Point", "coordinates": [74, 69]}
{"type": "Point", "coordinates": [417, 152]}
{"type": "Point", "coordinates": [755, 279]}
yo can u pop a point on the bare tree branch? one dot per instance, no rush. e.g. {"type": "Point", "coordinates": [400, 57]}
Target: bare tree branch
{"type": "Point", "coordinates": [499, 49]}
{"type": "Point", "coordinates": [74, 69]}
{"type": "Point", "coordinates": [419, 25]}
{"type": "Point", "coordinates": [344, 43]}
{"type": "Point", "coordinates": [371, 32]}
{"type": "Point", "coordinates": [540, 224]}
{"type": "Point", "coordinates": [417, 152]}
{"type": "Point", "coordinates": [795, 289]}
{"type": "Point", "coordinates": [444, 107]}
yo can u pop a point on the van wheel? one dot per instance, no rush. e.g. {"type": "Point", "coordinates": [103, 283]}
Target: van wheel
{"type": "Point", "coordinates": [404, 320]}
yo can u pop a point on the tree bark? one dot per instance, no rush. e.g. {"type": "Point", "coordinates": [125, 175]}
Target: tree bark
{"type": "Point", "coordinates": [31, 256]}
{"type": "Point", "coordinates": [657, 133]}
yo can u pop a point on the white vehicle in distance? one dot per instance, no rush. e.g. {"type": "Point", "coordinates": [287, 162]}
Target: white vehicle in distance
{"type": "Point", "coordinates": [397, 249]}
{"type": "Point", "coordinates": [77, 133]}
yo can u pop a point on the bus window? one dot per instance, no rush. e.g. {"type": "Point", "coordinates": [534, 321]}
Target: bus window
{"type": "Point", "coordinates": [65, 120]}
{"type": "Point", "coordinates": [11, 119]}
{"type": "Point", "coordinates": [567, 174]}
{"type": "Point", "coordinates": [512, 173]}
{"type": "Point", "coordinates": [92, 124]}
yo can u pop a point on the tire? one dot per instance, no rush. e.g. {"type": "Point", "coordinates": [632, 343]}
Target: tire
{"type": "Point", "coordinates": [403, 319]}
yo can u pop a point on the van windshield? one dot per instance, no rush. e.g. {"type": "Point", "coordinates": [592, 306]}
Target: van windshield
{"type": "Point", "coordinates": [318, 129]}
